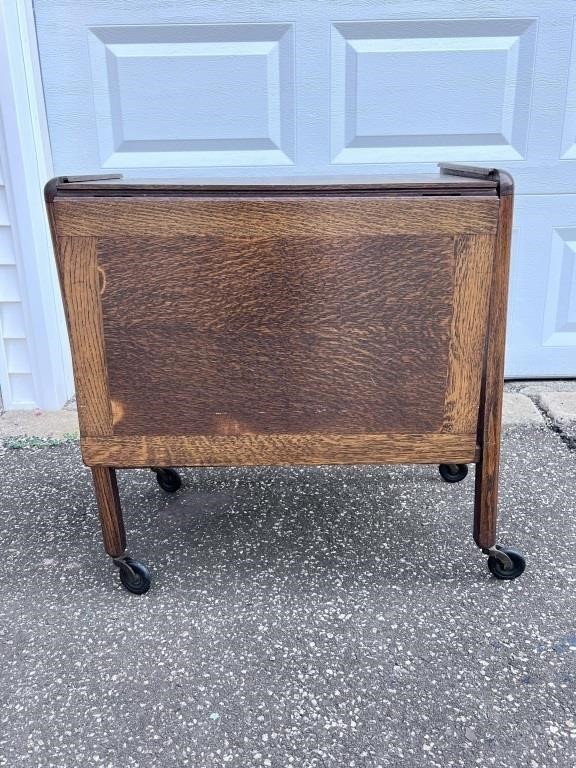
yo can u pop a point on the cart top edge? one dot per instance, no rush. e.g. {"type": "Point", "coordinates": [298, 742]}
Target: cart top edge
{"type": "Point", "coordinates": [115, 185]}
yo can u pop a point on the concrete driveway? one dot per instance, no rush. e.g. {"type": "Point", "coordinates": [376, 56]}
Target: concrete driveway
{"type": "Point", "coordinates": [322, 617]}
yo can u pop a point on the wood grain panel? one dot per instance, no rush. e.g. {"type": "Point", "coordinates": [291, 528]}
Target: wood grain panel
{"type": "Point", "coordinates": [266, 284]}
{"type": "Point", "coordinates": [349, 379]}
{"type": "Point", "coordinates": [255, 450]}
{"type": "Point", "coordinates": [80, 283]}
{"type": "Point", "coordinates": [286, 335]}
{"type": "Point", "coordinates": [472, 270]}
{"type": "Point", "coordinates": [278, 217]}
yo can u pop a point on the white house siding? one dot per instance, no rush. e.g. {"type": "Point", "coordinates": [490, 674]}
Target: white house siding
{"type": "Point", "coordinates": [35, 368]}
{"type": "Point", "coordinates": [17, 383]}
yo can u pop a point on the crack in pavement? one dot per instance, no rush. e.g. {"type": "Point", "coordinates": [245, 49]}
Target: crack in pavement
{"type": "Point", "coordinates": [553, 425]}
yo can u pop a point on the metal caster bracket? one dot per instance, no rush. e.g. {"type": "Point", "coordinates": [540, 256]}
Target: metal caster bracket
{"type": "Point", "coordinates": [501, 556]}
{"type": "Point", "coordinates": [123, 562]}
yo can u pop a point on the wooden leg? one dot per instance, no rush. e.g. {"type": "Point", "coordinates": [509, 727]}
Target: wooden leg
{"type": "Point", "coordinates": [110, 510]}
{"type": "Point", "coordinates": [503, 562]}
{"type": "Point", "coordinates": [490, 422]}
{"type": "Point", "coordinates": [486, 498]}
{"type": "Point", "coordinates": [133, 574]}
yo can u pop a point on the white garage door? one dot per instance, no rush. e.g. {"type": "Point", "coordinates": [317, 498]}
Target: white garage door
{"type": "Point", "coordinates": [230, 88]}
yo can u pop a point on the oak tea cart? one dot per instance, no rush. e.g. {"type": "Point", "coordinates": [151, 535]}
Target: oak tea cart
{"type": "Point", "coordinates": [355, 321]}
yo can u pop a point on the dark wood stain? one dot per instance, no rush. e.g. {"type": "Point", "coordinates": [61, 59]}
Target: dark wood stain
{"type": "Point", "coordinates": [297, 324]}
{"type": "Point", "coordinates": [343, 216]}
{"type": "Point", "coordinates": [474, 256]}
{"type": "Point", "coordinates": [79, 280]}
{"type": "Point", "coordinates": [421, 184]}
{"type": "Point", "coordinates": [109, 510]}
{"type": "Point", "coordinates": [283, 335]}
{"type": "Point", "coordinates": [255, 450]}
{"type": "Point", "coordinates": [490, 412]}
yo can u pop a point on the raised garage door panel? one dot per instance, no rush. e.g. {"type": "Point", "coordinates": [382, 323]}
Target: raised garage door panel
{"type": "Point", "coordinates": [305, 88]}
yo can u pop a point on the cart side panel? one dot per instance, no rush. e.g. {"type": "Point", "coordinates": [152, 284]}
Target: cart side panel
{"type": "Point", "coordinates": [306, 323]}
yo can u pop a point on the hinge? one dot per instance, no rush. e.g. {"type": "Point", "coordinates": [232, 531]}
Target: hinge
{"type": "Point", "coordinates": [455, 169]}
{"type": "Point", "coordinates": [90, 177]}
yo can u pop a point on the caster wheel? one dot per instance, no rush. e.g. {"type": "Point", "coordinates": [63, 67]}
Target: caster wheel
{"type": "Point", "coordinates": [168, 479]}
{"type": "Point", "coordinates": [453, 473]}
{"type": "Point", "coordinates": [498, 569]}
{"type": "Point", "coordinates": [135, 577]}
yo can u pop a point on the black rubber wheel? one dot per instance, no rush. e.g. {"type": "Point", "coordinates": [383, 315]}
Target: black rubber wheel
{"type": "Point", "coordinates": [453, 473]}
{"type": "Point", "coordinates": [135, 578]}
{"type": "Point", "coordinates": [518, 564]}
{"type": "Point", "coordinates": [168, 479]}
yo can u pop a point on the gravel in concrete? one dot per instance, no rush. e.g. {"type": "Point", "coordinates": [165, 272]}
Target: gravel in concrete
{"type": "Point", "coordinates": [298, 617]}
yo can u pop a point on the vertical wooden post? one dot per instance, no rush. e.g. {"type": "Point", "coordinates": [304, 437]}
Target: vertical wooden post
{"type": "Point", "coordinates": [490, 419]}
{"type": "Point", "coordinates": [110, 510]}
{"type": "Point", "coordinates": [80, 281]}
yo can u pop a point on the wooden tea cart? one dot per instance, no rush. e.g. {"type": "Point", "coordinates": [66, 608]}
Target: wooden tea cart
{"type": "Point", "coordinates": [355, 321]}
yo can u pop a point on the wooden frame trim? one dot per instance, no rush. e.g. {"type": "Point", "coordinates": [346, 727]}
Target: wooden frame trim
{"type": "Point", "coordinates": [78, 267]}
{"type": "Point", "coordinates": [473, 257]}
{"type": "Point", "coordinates": [338, 217]}
{"type": "Point", "coordinates": [274, 450]}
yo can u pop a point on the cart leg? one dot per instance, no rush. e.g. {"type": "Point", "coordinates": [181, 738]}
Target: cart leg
{"type": "Point", "coordinates": [486, 499]}
{"type": "Point", "coordinates": [133, 574]}
{"type": "Point", "coordinates": [109, 510]}
{"type": "Point", "coordinates": [503, 562]}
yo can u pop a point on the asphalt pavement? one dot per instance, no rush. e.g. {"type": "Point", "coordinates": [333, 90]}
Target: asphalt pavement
{"type": "Point", "coordinates": [323, 617]}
